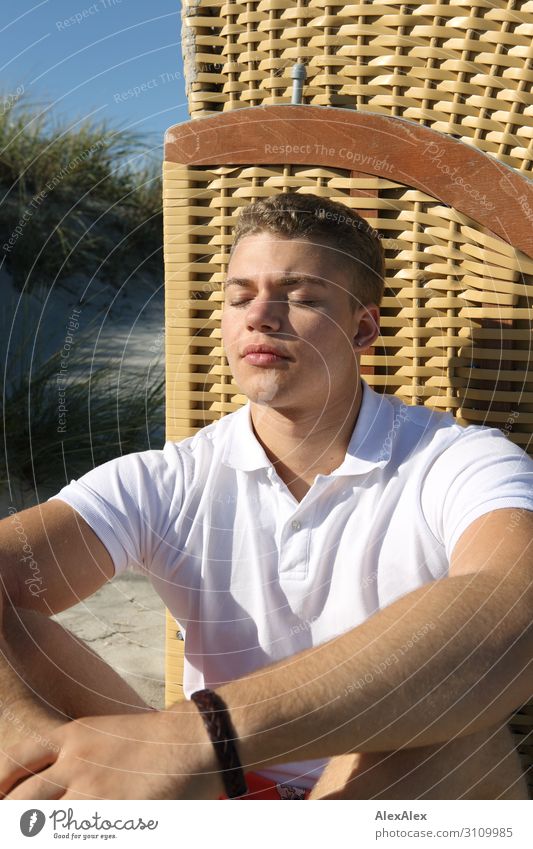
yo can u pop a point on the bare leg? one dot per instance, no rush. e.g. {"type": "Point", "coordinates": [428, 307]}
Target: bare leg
{"type": "Point", "coordinates": [484, 765]}
{"type": "Point", "coordinates": [48, 676]}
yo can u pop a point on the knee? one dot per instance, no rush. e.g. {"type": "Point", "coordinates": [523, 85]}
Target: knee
{"type": "Point", "coordinates": [348, 776]}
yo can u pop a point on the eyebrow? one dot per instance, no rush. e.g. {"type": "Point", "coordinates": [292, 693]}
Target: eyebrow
{"type": "Point", "coordinates": [286, 280]}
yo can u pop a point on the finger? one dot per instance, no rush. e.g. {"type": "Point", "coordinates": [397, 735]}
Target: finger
{"type": "Point", "coordinates": [45, 785]}
{"type": "Point", "coordinates": [23, 760]}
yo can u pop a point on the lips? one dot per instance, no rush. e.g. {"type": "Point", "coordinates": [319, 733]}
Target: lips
{"type": "Point", "coordinates": [263, 355]}
{"type": "Point", "coordinates": [264, 349]}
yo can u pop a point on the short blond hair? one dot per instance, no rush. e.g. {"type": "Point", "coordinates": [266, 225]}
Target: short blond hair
{"type": "Point", "coordinates": [293, 215]}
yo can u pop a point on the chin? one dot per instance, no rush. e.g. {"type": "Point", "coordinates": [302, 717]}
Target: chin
{"type": "Point", "coordinates": [262, 388]}
{"type": "Point", "coordinates": [261, 396]}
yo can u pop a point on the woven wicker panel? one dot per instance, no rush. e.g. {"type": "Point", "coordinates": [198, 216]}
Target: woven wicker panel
{"type": "Point", "coordinates": [463, 68]}
{"type": "Point", "coordinates": [456, 317]}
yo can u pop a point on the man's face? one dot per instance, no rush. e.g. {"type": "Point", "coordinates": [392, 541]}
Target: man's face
{"type": "Point", "coordinates": [290, 300]}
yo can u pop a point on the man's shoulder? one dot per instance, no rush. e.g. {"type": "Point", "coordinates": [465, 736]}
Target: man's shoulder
{"type": "Point", "coordinates": [212, 438]}
{"type": "Point", "coordinates": [418, 422]}
{"type": "Point", "coordinates": [175, 455]}
{"type": "Point", "coordinates": [438, 440]}
{"type": "Point", "coordinates": [423, 434]}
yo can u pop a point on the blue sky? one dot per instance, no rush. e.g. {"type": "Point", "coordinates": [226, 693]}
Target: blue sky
{"type": "Point", "coordinates": [114, 59]}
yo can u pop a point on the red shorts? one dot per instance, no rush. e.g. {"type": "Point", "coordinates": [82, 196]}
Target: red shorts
{"type": "Point", "coordinates": [263, 788]}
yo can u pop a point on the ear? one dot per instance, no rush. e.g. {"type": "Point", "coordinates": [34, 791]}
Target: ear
{"type": "Point", "coordinates": [367, 329]}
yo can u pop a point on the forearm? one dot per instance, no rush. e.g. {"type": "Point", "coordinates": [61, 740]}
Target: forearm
{"type": "Point", "coordinates": [22, 714]}
{"type": "Point", "coordinates": [12, 687]}
{"type": "Point", "coordinates": [380, 687]}
{"type": "Point", "coordinates": [45, 663]}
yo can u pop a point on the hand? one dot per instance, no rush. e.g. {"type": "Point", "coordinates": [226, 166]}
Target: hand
{"type": "Point", "coordinates": [157, 755]}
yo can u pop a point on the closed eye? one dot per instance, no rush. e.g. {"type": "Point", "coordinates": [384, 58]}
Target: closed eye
{"type": "Point", "coordinates": [244, 301]}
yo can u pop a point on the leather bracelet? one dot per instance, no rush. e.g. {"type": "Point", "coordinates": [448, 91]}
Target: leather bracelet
{"type": "Point", "coordinates": [222, 734]}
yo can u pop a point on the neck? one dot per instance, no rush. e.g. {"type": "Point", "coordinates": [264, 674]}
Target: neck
{"type": "Point", "coordinates": [302, 445]}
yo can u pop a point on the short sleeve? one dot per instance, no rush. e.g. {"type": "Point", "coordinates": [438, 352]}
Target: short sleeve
{"type": "Point", "coordinates": [479, 472]}
{"type": "Point", "coordinates": [128, 503]}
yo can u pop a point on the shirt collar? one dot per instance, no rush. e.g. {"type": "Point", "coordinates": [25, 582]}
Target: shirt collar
{"type": "Point", "coordinates": [369, 447]}
{"type": "Point", "coordinates": [243, 450]}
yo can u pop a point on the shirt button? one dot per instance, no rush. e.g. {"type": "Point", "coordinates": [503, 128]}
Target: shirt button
{"type": "Point", "coordinates": [296, 525]}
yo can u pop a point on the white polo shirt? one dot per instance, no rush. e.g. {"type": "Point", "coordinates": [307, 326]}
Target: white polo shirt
{"type": "Point", "coordinates": [252, 575]}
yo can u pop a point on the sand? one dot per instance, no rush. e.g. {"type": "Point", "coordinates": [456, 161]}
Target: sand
{"type": "Point", "coordinates": [124, 622]}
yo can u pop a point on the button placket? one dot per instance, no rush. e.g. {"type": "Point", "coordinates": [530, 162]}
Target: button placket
{"type": "Point", "coordinates": [294, 550]}
{"type": "Point", "coordinates": [295, 539]}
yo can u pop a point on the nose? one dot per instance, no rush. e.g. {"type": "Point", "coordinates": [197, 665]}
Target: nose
{"type": "Point", "coordinates": [264, 314]}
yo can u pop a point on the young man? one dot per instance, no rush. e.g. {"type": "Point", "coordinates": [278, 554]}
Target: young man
{"type": "Point", "coordinates": [354, 575]}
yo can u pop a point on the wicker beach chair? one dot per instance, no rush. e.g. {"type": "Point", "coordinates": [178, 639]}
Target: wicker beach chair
{"type": "Point", "coordinates": [420, 118]}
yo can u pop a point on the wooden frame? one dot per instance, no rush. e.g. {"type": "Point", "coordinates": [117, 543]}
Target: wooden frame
{"type": "Point", "coordinates": [393, 148]}
{"type": "Point", "coordinates": [461, 68]}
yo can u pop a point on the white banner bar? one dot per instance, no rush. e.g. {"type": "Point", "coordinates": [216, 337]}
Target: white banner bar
{"type": "Point", "coordinates": [352, 824]}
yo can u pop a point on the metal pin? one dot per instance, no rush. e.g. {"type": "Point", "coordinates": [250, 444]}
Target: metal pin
{"type": "Point", "coordinates": [298, 75]}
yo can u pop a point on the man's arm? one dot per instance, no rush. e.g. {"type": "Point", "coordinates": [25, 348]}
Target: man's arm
{"type": "Point", "coordinates": [445, 660]}
{"type": "Point", "coordinates": [50, 559]}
